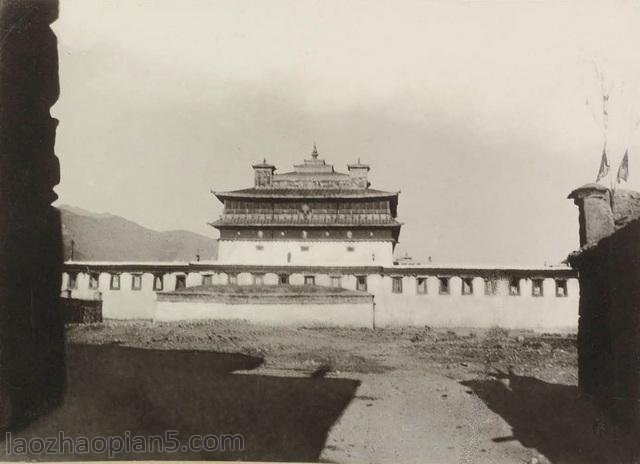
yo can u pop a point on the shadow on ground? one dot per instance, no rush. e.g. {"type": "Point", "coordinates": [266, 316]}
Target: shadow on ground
{"type": "Point", "coordinates": [112, 390]}
{"type": "Point", "coordinates": [553, 419]}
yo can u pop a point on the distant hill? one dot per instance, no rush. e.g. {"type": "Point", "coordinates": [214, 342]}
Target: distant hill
{"type": "Point", "coordinates": [106, 237]}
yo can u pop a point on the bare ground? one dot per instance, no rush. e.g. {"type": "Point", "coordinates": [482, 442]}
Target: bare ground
{"type": "Point", "coordinates": [350, 395]}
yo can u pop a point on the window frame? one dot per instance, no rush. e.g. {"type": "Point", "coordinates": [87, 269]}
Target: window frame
{"type": "Point", "coordinates": [207, 278]}
{"type": "Point", "coordinates": [564, 286]}
{"type": "Point", "coordinates": [466, 282]}
{"type": "Point", "coordinates": [490, 286]}
{"type": "Point", "coordinates": [444, 285]}
{"type": "Point", "coordinates": [422, 286]}
{"type": "Point", "coordinates": [517, 286]}
{"type": "Point", "coordinates": [93, 275]}
{"type": "Point", "coordinates": [396, 284]}
{"type": "Point", "coordinates": [179, 278]}
{"type": "Point", "coordinates": [361, 283]}
{"type": "Point", "coordinates": [309, 278]}
{"type": "Point", "coordinates": [135, 287]}
{"type": "Point", "coordinates": [115, 277]}
{"type": "Point", "coordinates": [72, 281]}
{"type": "Point", "coordinates": [258, 279]}
{"type": "Point", "coordinates": [283, 279]}
{"type": "Point", "coordinates": [232, 279]}
{"type": "Point", "coordinates": [336, 279]}
{"type": "Point", "coordinates": [534, 286]}
{"type": "Point", "coordinates": [158, 278]}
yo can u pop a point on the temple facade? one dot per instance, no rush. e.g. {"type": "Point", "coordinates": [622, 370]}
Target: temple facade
{"type": "Point", "coordinates": [312, 215]}
{"type": "Point", "coordinates": [315, 246]}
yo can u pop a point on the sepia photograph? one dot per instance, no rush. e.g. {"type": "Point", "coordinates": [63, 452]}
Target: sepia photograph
{"type": "Point", "coordinates": [320, 231]}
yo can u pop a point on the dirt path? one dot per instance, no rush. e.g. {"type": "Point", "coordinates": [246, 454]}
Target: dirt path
{"type": "Point", "coordinates": [406, 396]}
{"type": "Point", "coordinates": [419, 417]}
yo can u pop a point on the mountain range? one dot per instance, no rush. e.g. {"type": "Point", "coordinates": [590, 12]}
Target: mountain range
{"type": "Point", "coordinates": [107, 237]}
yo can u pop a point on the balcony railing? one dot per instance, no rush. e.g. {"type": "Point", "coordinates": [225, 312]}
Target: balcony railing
{"type": "Point", "coordinates": [314, 219]}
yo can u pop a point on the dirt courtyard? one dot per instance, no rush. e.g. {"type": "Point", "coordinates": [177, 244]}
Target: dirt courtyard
{"type": "Point", "coordinates": [328, 394]}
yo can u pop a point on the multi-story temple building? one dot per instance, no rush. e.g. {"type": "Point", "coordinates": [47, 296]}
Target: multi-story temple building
{"type": "Point", "coordinates": [315, 246]}
{"type": "Point", "coordinates": [312, 215]}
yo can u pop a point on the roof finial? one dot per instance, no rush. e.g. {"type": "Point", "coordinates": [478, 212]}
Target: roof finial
{"type": "Point", "coordinates": [264, 160]}
{"type": "Point", "coordinates": [315, 151]}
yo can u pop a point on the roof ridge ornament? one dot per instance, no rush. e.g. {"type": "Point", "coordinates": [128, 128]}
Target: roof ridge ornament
{"type": "Point", "coordinates": [314, 153]}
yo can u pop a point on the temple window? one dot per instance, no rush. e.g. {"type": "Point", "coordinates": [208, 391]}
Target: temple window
{"type": "Point", "coordinates": [396, 286]}
{"type": "Point", "coordinates": [309, 280]}
{"type": "Point", "coordinates": [421, 285]}
{"type": "Point", "coordinates": [284, 279]}
{"type": "Point", "coordinates": [259, 247]}
{"type": "Point", "coordinates": [514, 286]}
{"type": "Point", "coordinates": [158, 283]}
{"type": "Point", "coordinates": [361, 283]}
{"type": "Point", "coordinates": [443, 285]}
{"type": "Point", "coordinates": [72, 283]}
{"type": "Point", "coordinates": [136, 281]}
{"type": "Point", "coordinates": [258, 279]}
{"type": "Point", "coordinates": [537, 287]}
{"type": "Point", "coordinates": [561, 288]}
{"type": "Point", "coordinates": [207, 279]}
{"type": "Point", "coordinates": [94, 281]}
{"type": "Point", "coordinates": [336, 281]}
{"type": "Point", "coordinates": [351, 249]}
{"type": "Point", "coordinates": [467, 286]}
{"type": "Point", "coordinates": [115, 282]}
{"type": "Point", "coordinates": [181, 282]}
{"type": "Point", "coordinates": [304, 248]}
{"type": "Point", "coordinates": [233, 279]}
{"type": "Point", "coordinates": [490, 286]}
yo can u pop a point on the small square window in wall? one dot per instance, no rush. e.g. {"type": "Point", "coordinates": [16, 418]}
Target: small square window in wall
{"type": "Point", "coordinates": [258, 279]}
{"type": "Point", "coordinates": [490, 286]}
{"type": "Point", "coordinates": [421, 285]}
{"type": "Point", "coordinates": [233, 279]}
{"type": "Point", "coordinates": [561, 288]}
{"type": "Point", "coordinates": [72, 283]}
{"type": "Point", "coordinates": [514, 286]}
{"type": "Point", "coordinates": [207, 279]}
{"type": "Point", "coordinates": [136, 281]}
{"type": "Point", "coordinates": [444, 285]}
{"type": "Point", "coordinates": [304, 248]}
{"type": "Point", "coordinates": [396, 285]}
{"type": "Point", "coordinates": [181, 282]}
{"type": "Point", "coordinates": [284, 279]}
{"type": "Point", "coordinates": [115, 282]}
{"type": "Point", "coordinates": [537, 288]}
{"type": "Point", "coordinates": [467, 285]}
{"type": "Point", "coordinates": [309, 280]}
{"type": "Point", "coordinates": [361, 283]}
{"type": "Point", "coordinates": [158, 283]}
{"type": "Point", "coordinates": [259, 247]}
{"type": "Point", "coordinates": [94, 281]}
{"type": "Point", "coordinates": [336, 281]}
{"type": "Point", "coordinates": [351, 249]}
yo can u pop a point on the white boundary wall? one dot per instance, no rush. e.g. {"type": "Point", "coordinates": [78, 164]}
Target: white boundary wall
{"type": "Point", "coordinates": [545, 313]}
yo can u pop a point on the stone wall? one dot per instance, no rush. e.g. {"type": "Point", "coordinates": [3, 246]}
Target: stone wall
{"type": "Point", "coordinates": [609, 322]}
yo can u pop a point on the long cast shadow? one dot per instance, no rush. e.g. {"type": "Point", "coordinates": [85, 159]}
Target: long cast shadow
{"type": "Point", "coordinates": [112, 390]}
{"type": "Point", "coordinates": [553, 419]}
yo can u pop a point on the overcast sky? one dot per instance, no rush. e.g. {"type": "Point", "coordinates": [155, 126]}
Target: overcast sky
{"type": "Point", "coordinates": [475, 111]}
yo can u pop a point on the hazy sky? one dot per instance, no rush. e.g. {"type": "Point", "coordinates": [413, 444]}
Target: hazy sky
{"type": "Point", "coordinates": [474, 110]}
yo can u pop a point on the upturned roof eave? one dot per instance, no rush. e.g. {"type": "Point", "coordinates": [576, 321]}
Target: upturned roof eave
{"type": "Point", "coordinates": [301, 194]}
